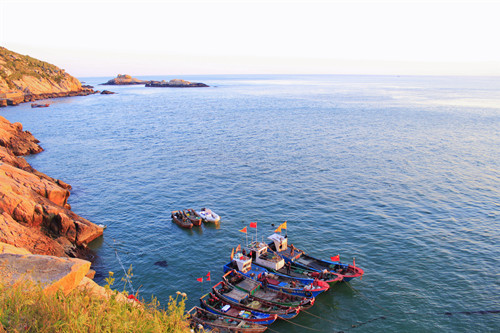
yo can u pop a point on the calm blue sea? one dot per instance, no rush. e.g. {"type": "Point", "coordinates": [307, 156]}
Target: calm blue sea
{"type": "Point", "coordinates": [400, 172]}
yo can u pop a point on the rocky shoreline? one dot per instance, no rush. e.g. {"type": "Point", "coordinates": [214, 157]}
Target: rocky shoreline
{"type": "Point", "coordinates": [34, 209]}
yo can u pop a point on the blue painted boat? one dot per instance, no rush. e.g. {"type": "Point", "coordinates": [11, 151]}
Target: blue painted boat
{"type": "Point", "coordinates": [286, 284]}
{"type": "Point", "coordinates": [290, 253]}
{"type": "Point", "coordinates": [263, 256]}
{"type": "Point", "coordinates": [254, 288]}
{"type": "Point", "coordinates": [219, 323]}
{"type": "Point", "coordinates": [218, 305]}
{"type": "Point", "coordinates": [238, 297]}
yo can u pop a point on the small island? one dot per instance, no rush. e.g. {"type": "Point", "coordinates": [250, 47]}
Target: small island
{"type": "Point", "coordinates": [175, 83]}
{"type": "Point", "coordinates": [123, 80]}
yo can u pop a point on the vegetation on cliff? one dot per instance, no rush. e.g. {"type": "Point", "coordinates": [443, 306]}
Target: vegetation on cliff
{"type": "Point", "coordinates": [27, 75]}
{"type": "Point", "coordinates": [26, 308]}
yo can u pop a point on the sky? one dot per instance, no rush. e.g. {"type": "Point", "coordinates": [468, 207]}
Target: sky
{"type": "Point", "coordinates": [108, 37]}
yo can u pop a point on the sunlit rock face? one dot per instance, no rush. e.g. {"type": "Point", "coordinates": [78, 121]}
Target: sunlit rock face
{"type": "Point", "coordinates": [34, 209]}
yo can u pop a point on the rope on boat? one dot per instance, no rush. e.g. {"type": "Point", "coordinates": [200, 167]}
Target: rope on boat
{"type": "Point", "coordinates": [291, 322]}
{"type": "Point", "coordinates": [312, 314]}
{"type": "Point", "coordinates": [367, 298]}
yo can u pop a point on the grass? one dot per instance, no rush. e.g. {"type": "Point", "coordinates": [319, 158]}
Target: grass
{"type": "Point", "coordinates": [26, 308]}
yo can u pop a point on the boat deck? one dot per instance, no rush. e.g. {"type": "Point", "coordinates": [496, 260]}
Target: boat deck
{"type": "Point", "coordinates": [236, 294]}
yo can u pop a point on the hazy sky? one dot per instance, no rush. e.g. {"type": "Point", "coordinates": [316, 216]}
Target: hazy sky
{"type": "Point", "coordinates": [105, 37]}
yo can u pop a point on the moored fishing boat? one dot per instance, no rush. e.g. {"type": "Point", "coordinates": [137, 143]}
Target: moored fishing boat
{"type": "Point", "coordinates": [179, 219]}
{"type": "Point", "coordinates": [237, 297]}
{"type": "Point", "coordinates": [192, 216]}
{"type": "Point", "coordinates": [303, 287]}
{"type": "Point", "coordinates": [301, 259]}
{"type": "Point", "coordinates": [263, 256]}
{"type": "Point", "coordinates": [210, 321]}
{"type": "Point", "coordinates": [255, 289]}
{"type": "Point", "coordinates": [208, 215]}
{"type": "Point", "coordinates": [217, 305]}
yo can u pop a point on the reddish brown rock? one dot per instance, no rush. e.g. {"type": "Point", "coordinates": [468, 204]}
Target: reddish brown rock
{"type": "Point", "coordinates": [19, 142]}
{"type": "Point", "coordinates": [34, 210]}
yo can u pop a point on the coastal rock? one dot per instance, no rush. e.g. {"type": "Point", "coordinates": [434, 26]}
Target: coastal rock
{"type": "Point", "coordinates": [34, 210]}
{"type": "Point", "coordinates": [52, 272]}
{"type": "Point", "coordinates": [107, 92]}
{"type": "Point", "coordinates": [7, 248]}
{"type": "Point", "coordinates": [16, 140]}
{"type": "Point", "coordinates": [26, 79]}
{"type": "Point", "coordinates": [175, 83]}
{"type": "Point", "coordinates": [123, 80]}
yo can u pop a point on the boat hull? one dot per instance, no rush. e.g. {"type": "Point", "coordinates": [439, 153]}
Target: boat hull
{"type": "Point", "coordinates": [236, 312]}
{"type": "Point", "coordinates": [198, 316]}
{"type": "Point", "coordinates": [183, 223]}
{"type": "Point", "coordinates": [247, 301]}
{"type": "Point", "coordinates": [305, 288]}
{"type": "Point", "coordinates": [254, 288]}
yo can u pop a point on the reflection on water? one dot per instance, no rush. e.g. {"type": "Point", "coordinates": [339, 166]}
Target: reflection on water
{"type": "Point", "coordinates": [399, 172]}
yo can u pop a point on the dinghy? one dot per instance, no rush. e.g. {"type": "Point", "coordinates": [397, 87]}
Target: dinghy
{"type": "Point", "coordinates": [208, 216]}
{"type": "Point", "coordinates": [181, 220]}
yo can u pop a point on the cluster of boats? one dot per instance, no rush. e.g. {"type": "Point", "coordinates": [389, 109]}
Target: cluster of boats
{"type": "Point", "coordinates": [265, 282]}
{"type": "Point", "coordinates": [188, 218]}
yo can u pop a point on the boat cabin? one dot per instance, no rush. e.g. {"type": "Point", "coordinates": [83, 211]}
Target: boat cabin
{"type": "Point", "coordinates": [244, 263]}
{"type": "Point", "coordinates": [261, 256]}
{"type": "Point", "coordinates": [280, 242]}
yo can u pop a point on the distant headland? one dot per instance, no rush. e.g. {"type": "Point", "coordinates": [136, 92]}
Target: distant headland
{"type": "Point", "coordinates": [26, 79]}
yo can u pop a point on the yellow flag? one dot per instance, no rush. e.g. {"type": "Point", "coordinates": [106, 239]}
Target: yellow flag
{"type": "Point", "coordinates": [232, 254]}
{"type": "Point", "coordinates": [278, 230]}
{"type": "Point", "coordinates": [238, 248]}
{"type": "Point", "coordinates": [283, 225]}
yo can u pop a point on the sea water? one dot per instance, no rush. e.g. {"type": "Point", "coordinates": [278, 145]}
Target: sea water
{"type": "Point", "coordinates": [401, 173]}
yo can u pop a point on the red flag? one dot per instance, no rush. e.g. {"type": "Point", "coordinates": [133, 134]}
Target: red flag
{"type": "Point", "coordinates": [244, 230]}
{"type": "Point", "coordinates": [199, 279]}
{"type": "Point", "coordinates": [208, 276]}
{"type": "Point", "coordinates": [253, 224]}
{"type": "Point", "coordinates": [336, 258]}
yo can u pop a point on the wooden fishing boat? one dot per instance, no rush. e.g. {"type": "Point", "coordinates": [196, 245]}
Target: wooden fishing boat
{"type": "Point", "coordinates": [220, 323]}
{"type": "Point", "coordinates": [254, 288]}
{"type": "Point", "coordinates": [192, 216]}
{"type": "Point", "coordinates": [36, 105]}
{"type": "Point", "coordinates": [301, 259]}
{"type": "Point", "coordinates": [218, 305]}
{"type": "Point", "coordinates": [237, 297]}
{"type": "Point", "coordinates": [303, 287]}
{"type": "Point", "coordinates": [295, 271]}
{"type": "Point", "coordinates": [263, 256]}
{"type": "Point", "coordinates": [179, 219]}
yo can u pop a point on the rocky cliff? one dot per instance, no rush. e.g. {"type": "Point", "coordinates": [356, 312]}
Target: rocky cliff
{"type": "Point", "coordinates": [34, 209]}
{"type": "Point", "coordinates": [23, 79]}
